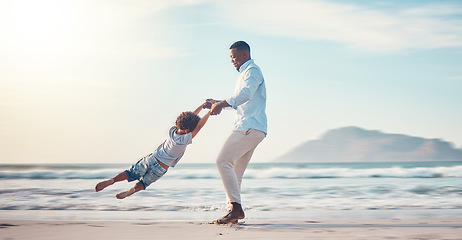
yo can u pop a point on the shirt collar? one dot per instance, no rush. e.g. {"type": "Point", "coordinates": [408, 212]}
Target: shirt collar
{"type": "Point", "coordinates": [245, 65]}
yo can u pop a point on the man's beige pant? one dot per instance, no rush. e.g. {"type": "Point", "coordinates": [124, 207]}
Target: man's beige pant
{"type": "Point", "coordinates": [234, 158]}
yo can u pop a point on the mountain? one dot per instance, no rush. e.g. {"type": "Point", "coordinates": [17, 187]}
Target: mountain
{"type": "Point", "coordinates": [354, 144]}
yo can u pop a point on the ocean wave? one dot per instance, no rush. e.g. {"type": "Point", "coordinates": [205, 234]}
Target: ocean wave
{"type": "Point", "coordinates": [394, 172]}
{"type": "Point", "coordinates": [272, 198]}
{"type": "Point", "coordinates": [252, 173]}
{"type": "Point", "coordinates": [65, 174]}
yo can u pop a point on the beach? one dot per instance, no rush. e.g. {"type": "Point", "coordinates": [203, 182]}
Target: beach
{"type": "Point", "coordinates": [431, 229]}
{"type": "Point", "coordinates": [418, 200]}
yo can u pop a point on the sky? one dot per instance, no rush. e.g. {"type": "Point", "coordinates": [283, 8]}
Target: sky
{"type": "Point", "coordinates": [102, 81]}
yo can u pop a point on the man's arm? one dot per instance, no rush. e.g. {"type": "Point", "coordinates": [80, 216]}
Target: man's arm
{"type": "Point", "coordinates": [249, 86]}
{"type": "Point", "coordinates": [251, 82]}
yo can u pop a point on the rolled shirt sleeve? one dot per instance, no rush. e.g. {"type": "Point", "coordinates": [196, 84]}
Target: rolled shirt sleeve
{"type": "Point", "coordinates": [246, 89]}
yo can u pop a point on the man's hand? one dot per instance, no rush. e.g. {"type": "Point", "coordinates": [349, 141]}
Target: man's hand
{"type": "Point", "coordinates": [209, 102]}
{"type": "Point", "coordinates": [216, 108]}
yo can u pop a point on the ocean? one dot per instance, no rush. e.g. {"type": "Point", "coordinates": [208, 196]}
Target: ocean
{"type": "Point", "coordinates": [193, 191]}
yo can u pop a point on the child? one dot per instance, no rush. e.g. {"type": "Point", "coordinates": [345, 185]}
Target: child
{"type": "Point", "coordinates": [152, 167]}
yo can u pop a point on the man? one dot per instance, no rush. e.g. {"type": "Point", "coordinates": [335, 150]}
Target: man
{"type": "Point", "coordinates": [250, 128]}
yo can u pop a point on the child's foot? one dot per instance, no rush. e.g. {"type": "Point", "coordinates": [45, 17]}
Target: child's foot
{"type": "Point", "coordinates": [125, 194]}
{"type": "Point", "coordinates": [102, 185]}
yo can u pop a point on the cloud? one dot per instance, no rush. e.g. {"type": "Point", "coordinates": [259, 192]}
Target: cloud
{"type": "Point", "coordinates": [121, 29]}
{"type": "Point", "coordinates": [85, 29]}
{"type": "Point", "coordinates": [423, 27]}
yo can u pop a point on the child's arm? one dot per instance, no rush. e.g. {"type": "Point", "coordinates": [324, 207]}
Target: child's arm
{"type": "Point", "coordinates": [201, 123]}
{"type": "Point", "coordinates": [198, 110]}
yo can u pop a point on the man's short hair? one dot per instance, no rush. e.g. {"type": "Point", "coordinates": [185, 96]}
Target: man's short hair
{"type": "Point", "coordinates": [241, 46]}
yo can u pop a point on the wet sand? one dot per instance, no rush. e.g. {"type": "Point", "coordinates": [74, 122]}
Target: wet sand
{"type": "Point", "coordinates": [433, 229]}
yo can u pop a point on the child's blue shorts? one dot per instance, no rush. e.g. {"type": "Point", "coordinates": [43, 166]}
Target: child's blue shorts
{"type": "Point", "coordinates": [147, 170]}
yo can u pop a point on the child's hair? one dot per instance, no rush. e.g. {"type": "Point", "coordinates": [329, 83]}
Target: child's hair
{"type": "Point", "coordinates": [187, 121]}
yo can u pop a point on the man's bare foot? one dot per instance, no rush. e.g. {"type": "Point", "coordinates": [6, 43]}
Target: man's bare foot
{"type": "Point", "coordinates": [102, 185]}
{"type": "Point", "coordinates": [232, 216]}
{"type": "Point", "coordinates": [125, 194]}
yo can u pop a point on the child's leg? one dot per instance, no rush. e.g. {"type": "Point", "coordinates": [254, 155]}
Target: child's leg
{"type": "Point", "coordinates": [138, 187]}
{"type": "Point", "coordinates": [102, 185]}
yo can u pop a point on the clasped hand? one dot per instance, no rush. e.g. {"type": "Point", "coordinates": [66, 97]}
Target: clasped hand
{"type": "Point", "coordinates": [214, 106]}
